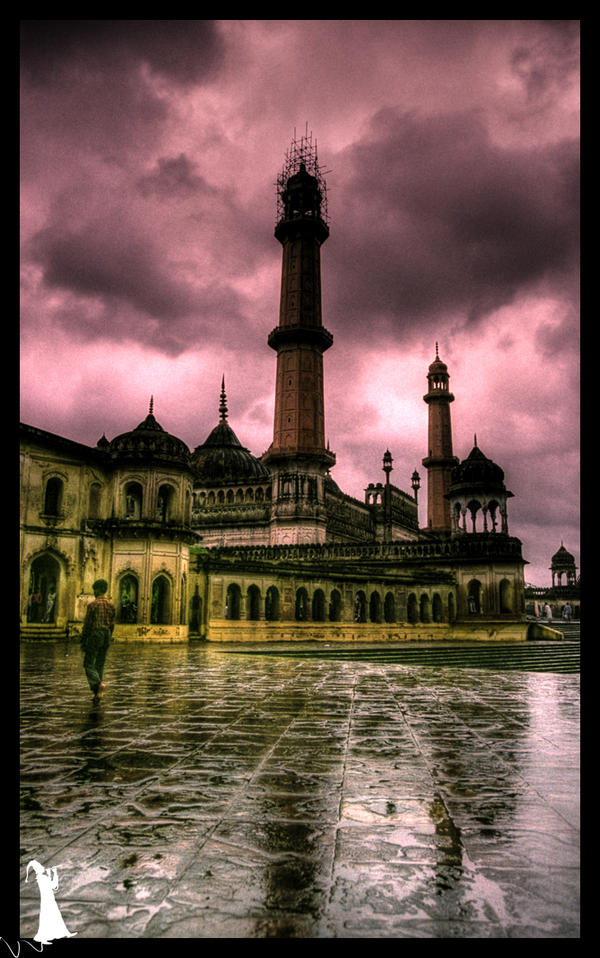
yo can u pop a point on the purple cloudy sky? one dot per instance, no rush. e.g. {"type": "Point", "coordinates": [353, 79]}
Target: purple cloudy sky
{"type": "Point", "coordinates": [150, 150]}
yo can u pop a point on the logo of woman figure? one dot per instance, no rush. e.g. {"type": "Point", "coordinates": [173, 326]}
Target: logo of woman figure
{"type": "Point", "coordinates": [51, 922]}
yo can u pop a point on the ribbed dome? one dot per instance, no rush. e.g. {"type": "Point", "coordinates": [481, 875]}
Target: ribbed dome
{"type": "Point", "coordinates": [149, 442]}
{"type": "Point", "coordinates": [222, 458]}
{"type": "Point", "coordinates": [477, 470]}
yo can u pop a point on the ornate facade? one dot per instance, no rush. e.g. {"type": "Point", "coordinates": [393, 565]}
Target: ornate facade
{"type": "Point", "coordinates": [219, 544]}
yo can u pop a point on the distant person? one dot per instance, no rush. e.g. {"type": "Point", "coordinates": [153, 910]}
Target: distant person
{"type": "Point", "coordinates": [50, 600]}
{"type": "Point", "coordinates": [548, 612]}
{"type": "Point", "coordinates": [567, 612]}
{"type": "Point", "coordinates": [96, 636]}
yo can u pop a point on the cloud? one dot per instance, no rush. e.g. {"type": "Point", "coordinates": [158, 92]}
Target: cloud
{"type": "Point", "coordinates": [435, 221]}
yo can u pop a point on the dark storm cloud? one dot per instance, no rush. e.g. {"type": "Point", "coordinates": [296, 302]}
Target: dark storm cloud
{"type": "Point", "coordinates": [183, 51]}
{"type": "Point", "coordinates": [100, 261]}
{"type": "Point", "coordinates": [173, 177]}
{"type": "Point", "coordinates": [437, 220]}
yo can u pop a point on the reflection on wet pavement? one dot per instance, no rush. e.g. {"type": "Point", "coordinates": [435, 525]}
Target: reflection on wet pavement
{"type": "Point", "coordinates": [231, 796]}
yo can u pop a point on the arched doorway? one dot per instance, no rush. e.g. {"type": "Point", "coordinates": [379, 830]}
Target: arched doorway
{"type": "Point", "coordinates": [389, 607]}
{"type": "Point", "coordinates": [42, 598]}
{"type": "Point", "coordinates": [253, 606]}
{"type": "Point", "coordinates": [160, 609]}
{"type": "Point", "coordinates": [128, 600]}
{"type": "Point", "coordinates": [425, 608]}
{"type": "Point", "coordinates": [272, 604]}
{"type": "Point", "coordinates": [195, 611]}
{"type": "Point", "coordinates": [375, 607]}
{"type": "Point", "coordinates": [412, 609]}
{"type": "Point", "coordinates": [506, 596]}
{"type": "Point", "coordinates": [474, 596]}
{"type": "Point", "coordinates": [335, 606]}
{"type": "Point", "coordinates": [438, 613]}
{"type": "Point", "coordinates": [360, 607]}
{"type": "Point", "coordinates": [233, 601]}
{"type": "Point", "coordinates": [301, 609]}
{"type": "Point", "coordinates": [318, 606]}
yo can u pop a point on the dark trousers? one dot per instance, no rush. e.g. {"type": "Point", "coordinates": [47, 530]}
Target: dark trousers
{"type": "Point", "coordinates": [95, 648]}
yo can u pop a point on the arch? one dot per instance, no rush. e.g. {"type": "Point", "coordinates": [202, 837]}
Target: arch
{"type": "Point", "coordinates": [507, 596]}
{"type": "Point", "coordinates": [272, 604]}
{"type": "Point", "coordinates": [318, 606]}
{"type": "Point", "coordinates": [259, 494]}
{"type": "Point", "coordinates": [360, 607]}
{"type": "Point", "coordinates": [425, 608]}
{"type": "Point", "coordinates": [183, 600]}
{"type": "Point", "coordinates": [160, 605]}
{"type": "Point", "coordinates": [253, 603]}
{"type": "Point", "coordinates": [211, 499]}
{"type": "Point", "coordinates": [127, 591]}
{"type": "Point", "coordinates": [375, 607]}
{"type": "Point", "coordinates": [94, 500]}
{"type": "Point", "coordinates": [221, 496]}
{"type": "Point", "coordinates": [195, 611]}
{"type": "Point", "coordinates": [164, 502]}
{"type": "Point", "coordinates": [301, 606]}
{"type": "Point", "coordinates": [53, 496]}
{"type": "Point", "coordinates": [474, 592]}
{"type": "Point", "coordinates": [437, 609]}
{"type": "Point", "coordinates": [233, 601]}
{"type": "Point", "coordinates": [451, 607]}
{"type": "Point", "coordinates": [133, 500]}
{"type": "Point", "coordinates": [335, 606]}
{"type": "Point", "coordinates": [249, 495]}
{"type": "Point", "coordinates": [412, 609]}
{"type": "Point", "coordinates": [44, 583]}
{"type": "Point", "coordinates": [389, 607]}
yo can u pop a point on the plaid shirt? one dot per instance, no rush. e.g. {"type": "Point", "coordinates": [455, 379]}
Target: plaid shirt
{"type": "Point", "coordinates": [100, 614]}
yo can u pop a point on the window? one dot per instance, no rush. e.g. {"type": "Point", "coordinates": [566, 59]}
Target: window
{"type": "Point", "coordinates": [53, 496]}
{"type": "Point", "coordinates": [133, 500]}
{"type": "Point", "coordinates": [127, 611]}
{"type": "Point", "coordinates": [94, 501]}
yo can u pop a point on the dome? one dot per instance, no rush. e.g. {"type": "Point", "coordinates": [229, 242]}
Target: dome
{"type": "Point", "coordinates": [563, 558]}
{"type": "Point", "coordinates": [222, 458]}
{"type": "Point", "coordinates": [150, 443]}
{"type": "Point", "coordinates": [477, 470]}
{"type": "Point", "coordinates": [437, 366]}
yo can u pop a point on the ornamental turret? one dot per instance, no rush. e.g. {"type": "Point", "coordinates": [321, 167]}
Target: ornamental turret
{"type": "Point", "coordinates": [440, 460]}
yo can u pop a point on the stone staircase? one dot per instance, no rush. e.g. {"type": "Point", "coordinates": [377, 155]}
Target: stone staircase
{"type": "Point", "coordinates": [42, 630]}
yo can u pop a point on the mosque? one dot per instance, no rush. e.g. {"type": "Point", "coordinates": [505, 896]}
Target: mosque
{"type": "Point", "coordinates": [220, 545]}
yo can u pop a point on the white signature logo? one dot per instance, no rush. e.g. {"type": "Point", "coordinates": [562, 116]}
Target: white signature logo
{"type": "Point", "coordinates": [51, 925]}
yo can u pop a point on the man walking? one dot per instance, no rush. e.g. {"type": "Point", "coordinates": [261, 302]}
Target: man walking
{"type": "Point", "coordinates": [96, 636]}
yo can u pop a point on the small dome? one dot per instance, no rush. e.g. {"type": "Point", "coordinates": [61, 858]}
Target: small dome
{"type": "Point", "coordinates": [477, 470]}
{"type": "Point", "coordinates": [222, 458]}
{"type": "Point", "coordinates": [149, 442]}
{"type": "Point", "coordinates": [437, 366]}
{"type": "Point", "coordinates": [562, 557]}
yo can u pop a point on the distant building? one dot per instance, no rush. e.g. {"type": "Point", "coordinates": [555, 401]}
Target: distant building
{"type": "Point", "coordinates": [220, 544]}
{"type": "Point", "coordinates": [564, 595]}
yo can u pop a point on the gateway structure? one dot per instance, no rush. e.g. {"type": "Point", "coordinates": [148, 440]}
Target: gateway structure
{"type": "Point", "coordinates": [216, 543]}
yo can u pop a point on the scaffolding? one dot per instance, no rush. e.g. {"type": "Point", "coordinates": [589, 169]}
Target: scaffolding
{"type": "Point", "coordinates": [302, 152]}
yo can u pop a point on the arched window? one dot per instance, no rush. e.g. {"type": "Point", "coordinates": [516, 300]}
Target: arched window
{"type": "Point", "coordinates": [375, 607]}
{"type": "Point", "coordinates": [160, 608]}
{"type": "Point", "coordinates": [335, 606]}
{"type": "Point", "coordinates": [301, 609]}
{"type": "Point", "coordinates": [233, 601]}
{"type": "Point", "coordinates": [239, 496]}
{"type": "Point", "coordinates": [360, 607]}
{"type": "Point", "coordinates": [272, 604]}
{"type": "Point", "coordinates": [318, 606]}
{"type": "Point", "coordinates": [183, 601]}
{"type": "Point", "coordinates": [230, 496]}
{"type": "Point", "coordinates": [253, 603]}
{"type": "Point", "coordinates": [164, 503]}
{"type": "Point", "coordinates": [53, 496]}
{"type": "Point", "coordinates": [221, 497]}
{"type": "Point", "coordinates": [425, 608]}
{"type": "Point", "coordinates": [42, 600]}
{"type": "Point", "coordinates": [259, 494]}
{"type": "Point", "coordinates": [127, 609]}
{"type": "Point", "coordinates": [438, 612]}
{"type": "Point", "coordinates": [133, 500]}
{"type": "Point", "coordinates": [389, 607]}
{"type": "Point", "coordinates": [474, 597]}
{"type": "Point", "coordinates": [94, 501]}
{"type": "Point", "coordinates": [506, 596]}
{"type": "Point", "coordinates": [412, 609]}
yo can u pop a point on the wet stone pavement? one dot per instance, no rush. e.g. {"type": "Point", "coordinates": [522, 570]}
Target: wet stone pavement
{"type": "Point", "coordinates": [219, 795]}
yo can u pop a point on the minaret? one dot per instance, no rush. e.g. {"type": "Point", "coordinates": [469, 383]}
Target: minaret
{"type": "Point", "coordinates": [298, 457]}
{"type": "Point", "coordinates": [440, 461]}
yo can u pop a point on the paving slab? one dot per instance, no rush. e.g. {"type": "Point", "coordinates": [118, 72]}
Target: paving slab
{"type": "Point", "coordinates": [222, 795]}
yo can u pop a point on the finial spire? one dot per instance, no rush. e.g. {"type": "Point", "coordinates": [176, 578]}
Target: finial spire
{"type": "Point", "coordinates": [223, 403]}
{"type": "Point", "coordinates": [475, 440]}
{"type": "Point", "coordinates": [150, 412]}
{"type": "Point", "coordinates": [437, 355]}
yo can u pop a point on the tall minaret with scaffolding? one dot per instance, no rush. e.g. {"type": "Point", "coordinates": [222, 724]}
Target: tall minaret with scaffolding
{"type": "Point", "coordinates": [440, 461]}
{"type": "Point", "coordinates": [298, 458]}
